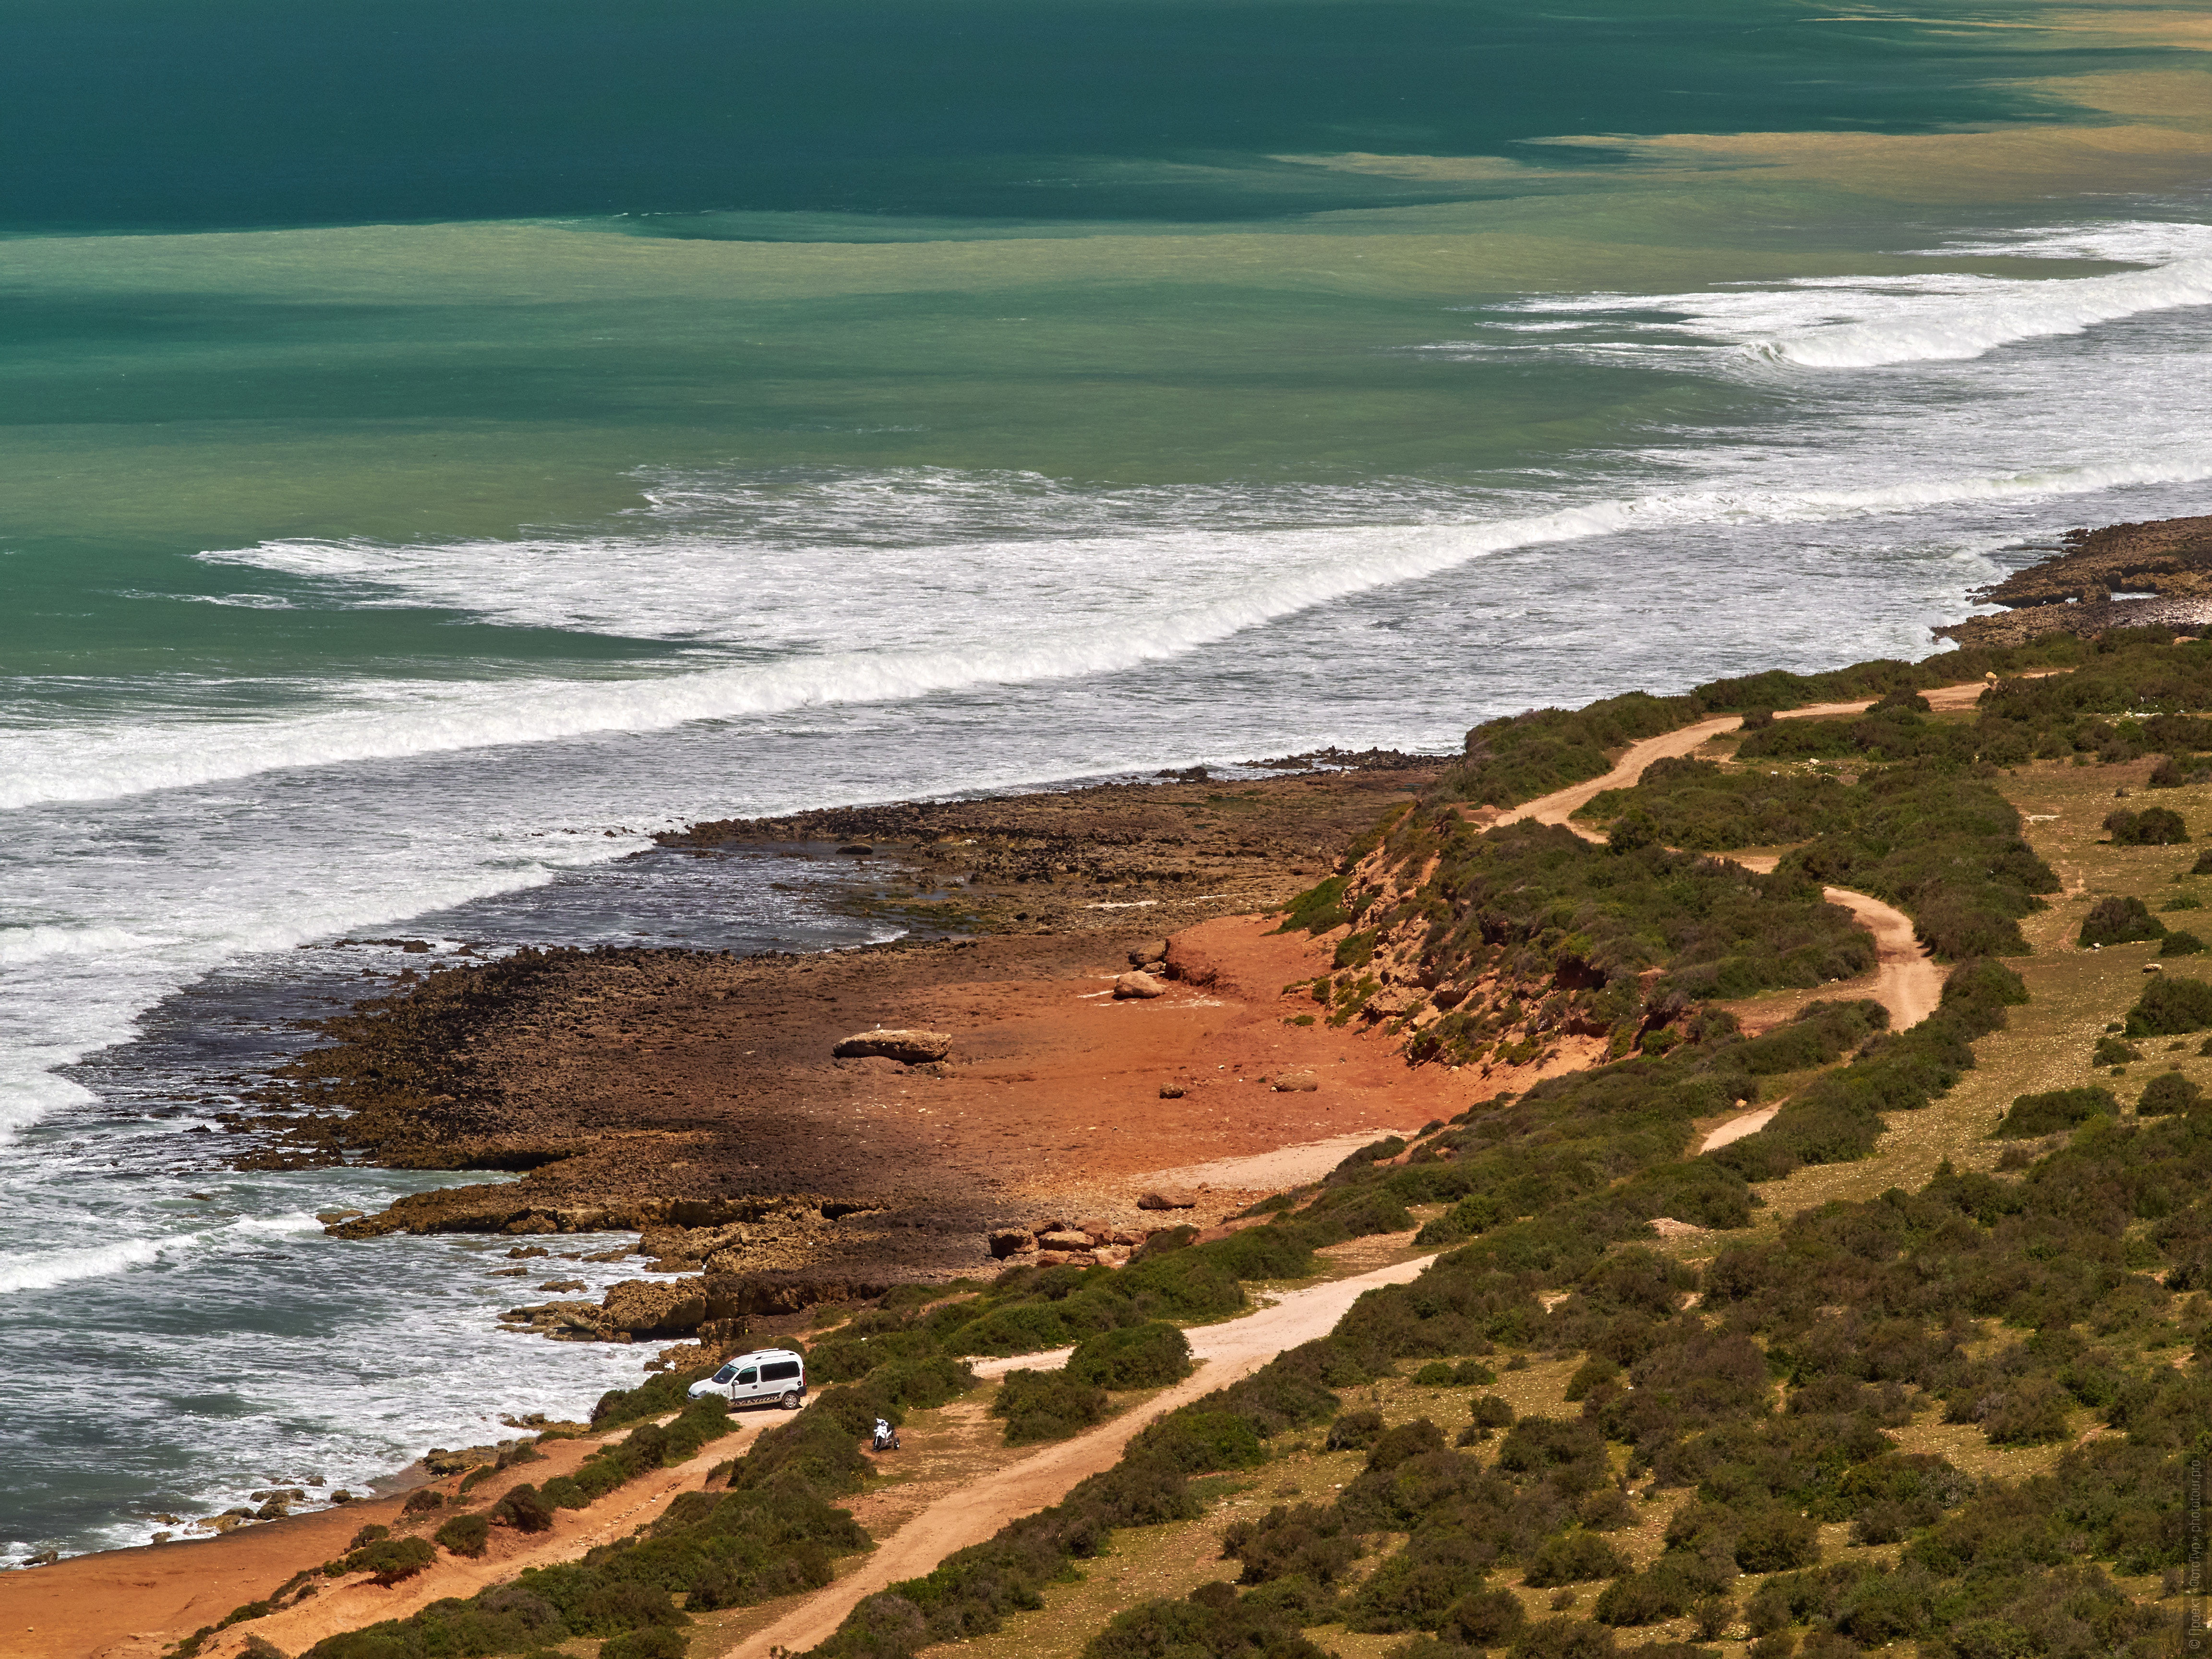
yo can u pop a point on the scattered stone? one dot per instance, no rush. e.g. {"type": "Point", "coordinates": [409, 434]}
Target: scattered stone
{"type": "Point", "coordinates": [441, 1462]}
{"type": "Point", "coordinates": [341, 1496]}
{"type": "Point", "coordinates": [1068, 1240]}
{"type": "Point", "coordinates": [908, 1048]}
{"type": "Point", "coordinates": [1171, 1091]}
{"type": "Point", "coordinates": [1295, 1083]}
{"type": "Point", "coordinates": [1010, 1241]}
{"type": "Point", "coordinates": [1135, 985]}
{"type": "Point", "coordinates": [331, 1218]}
{"type": "Point", "coordinates": [1168, 1198]}
{"type": "Point", "coordinates": [521, 1250]}
{"type": "Point", "coordinates": [564, 1285]}
{"type": "Point", "coordinates": [1144, 955]}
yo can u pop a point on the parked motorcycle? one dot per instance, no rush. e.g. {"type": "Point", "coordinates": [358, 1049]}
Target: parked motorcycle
{"type": "Point", "coordinates": [886, 1437]}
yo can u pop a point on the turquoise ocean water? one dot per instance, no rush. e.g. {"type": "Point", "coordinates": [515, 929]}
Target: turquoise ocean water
{"type": "Point", "coordinates": [441, 445]}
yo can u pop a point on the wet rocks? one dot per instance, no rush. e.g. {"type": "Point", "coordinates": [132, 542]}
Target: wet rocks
{"type": "Point", "coordinates": [908, 1048]}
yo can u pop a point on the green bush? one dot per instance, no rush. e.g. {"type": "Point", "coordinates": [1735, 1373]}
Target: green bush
{"type": "Point", "coordinates": [1573, 1558]}
{"type": "Point", "coordinates": [2155, 826]}
{"type": "Point", "coordinates": [2054, 1110]}
{"type": "Point", "coordinates": [1047, 1405]}
{"type": "Point", "coordinates": [2167, 1093]}
{"type": "Point", "coordinates": [1773, 1539]}
{"type": "Point", "coordinates": [2115, 921]}
{"type": "Point", "coordinates": [2112, 1051]}
{"type": "Point", "coordinates": [1354, 1431]}
{"type": "Point", "coordinates": [1214, 1622]}
{"type": "Point", "coordinates": [523, 1510]}
{"type": "Point", "coordinates": [2181, 945]}
{"type": "Point", "coordinates": [392, 1559]}
{"type": "Point", "coordinates": [1307, 1540]}
{"type": "Point", "coordinates": [1145, 1356]}
{"type": "Point", "coordinates": [2171, 1006]}
{"type": "Point", "coordinates": [1484, 1618]}
{"type": "Point", "coordinates": [653, 1642]}
{"type": "Point", "coordinates": [465, 1535]}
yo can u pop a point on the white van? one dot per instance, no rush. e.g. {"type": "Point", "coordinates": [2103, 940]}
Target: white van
{"type": "Point", "coordinates": [754, 1378]}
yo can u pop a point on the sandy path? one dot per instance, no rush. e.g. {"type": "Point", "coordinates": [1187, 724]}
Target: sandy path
{"type": "Point", "coordinates": [1287, 1166]}
{"type": "Point", "coordinates": [1229, 1351]}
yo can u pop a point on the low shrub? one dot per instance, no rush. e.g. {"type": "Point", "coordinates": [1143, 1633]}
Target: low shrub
{"type": "Point", "coordinates": [392, 1559]}
{"type": "Point", "coordinates": [2155, 826]}
{"type": "Point", "coordinates": [1573, 1558]}
{"type": "Point", "coordinates": [2171, 1006]}
{"type": "Point", "coordinates": [2181, 945]}
{"type": "Point", "coordinates": [1309, 1541]}
{"type": "Point", "coordinates": [1775, 1540]}
{"type": "Point", "coordinates": [2055, 1110]}
{"type": "Point", "coordinates": [524, 1510]}
{"type": "Point", "coordinates": [2113, 1051]}
{"type": "Point", "coordinates": [1041, 1406]}
{"type": "Point", "coordinates": [655, 1642]}
{"type": "Point", "coordinates": [1214, 1622]}
{"type": "Point", "coordinates": [2167, 1093]}
{"type": "Point", "coordinates": [465, 1535]}
{"type": "Point", "coordinates": [1355, 1432]}
{"type": "Point", "coordinates": [2118, 921]}
{"type": "Point", "coordinates": [1145, 1356]}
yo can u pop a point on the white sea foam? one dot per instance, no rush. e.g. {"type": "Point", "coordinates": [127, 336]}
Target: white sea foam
{"type": "Point", "coordinates": [1160, 599]}
{"type": "Point", "coordinates": [43, 1273]}
{"type": "Point", "coordinates": [1836, 323]}
{"type": "Point", "coordinates": [39, 942]}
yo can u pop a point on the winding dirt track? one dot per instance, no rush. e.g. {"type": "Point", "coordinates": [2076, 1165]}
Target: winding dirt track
{"type": "Point", "coordinates": [1906, 981]}
{"type": "Point", "coordinates": [1229, 1351]}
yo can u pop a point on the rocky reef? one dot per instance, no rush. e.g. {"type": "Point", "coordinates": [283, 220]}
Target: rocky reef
{"type": "Point", "coordinates": [2161, 570]}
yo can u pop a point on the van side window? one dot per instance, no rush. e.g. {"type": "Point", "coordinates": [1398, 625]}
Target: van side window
{"type": "Point", "coordinates": [780, 1371]}
{"type": "Point", "coordinates": [745, 1379]}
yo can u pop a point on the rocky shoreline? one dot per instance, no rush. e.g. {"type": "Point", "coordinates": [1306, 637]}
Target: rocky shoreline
{"type": "Point", "coordinates": [723, 1108]}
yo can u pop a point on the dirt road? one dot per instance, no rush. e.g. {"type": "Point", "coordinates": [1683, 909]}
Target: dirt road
{"type": "Point", "coordinates": [1906, 981]}
{"type": "Point", "coordinates": [1229, 1351]}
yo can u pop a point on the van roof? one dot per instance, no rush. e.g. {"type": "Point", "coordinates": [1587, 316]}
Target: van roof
{"type": "Point", "coordinates": [764, 1353]}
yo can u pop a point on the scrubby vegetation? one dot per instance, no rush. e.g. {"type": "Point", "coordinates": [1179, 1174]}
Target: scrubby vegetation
{"type": "Point", "coordinates": [2119, 921]}
{"type": "Point", "coordinates": [1510, 760]}
{"type": "Point", "coordinates": [1047, 1405]}
{"type": "Point", "coordinates": [2153, 827]}
{"type": "Point", "coordinates": [1928, 832]}
{"type": "Point", "coordinates": [1147, 1355]}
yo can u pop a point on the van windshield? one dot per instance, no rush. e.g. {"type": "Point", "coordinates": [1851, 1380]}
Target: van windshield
{"type": "Point", "coordinates": [726, 1373]}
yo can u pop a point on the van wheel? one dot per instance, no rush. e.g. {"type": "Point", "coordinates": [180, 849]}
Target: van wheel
{"type": "Point", "coordinates": [790, 1400]}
